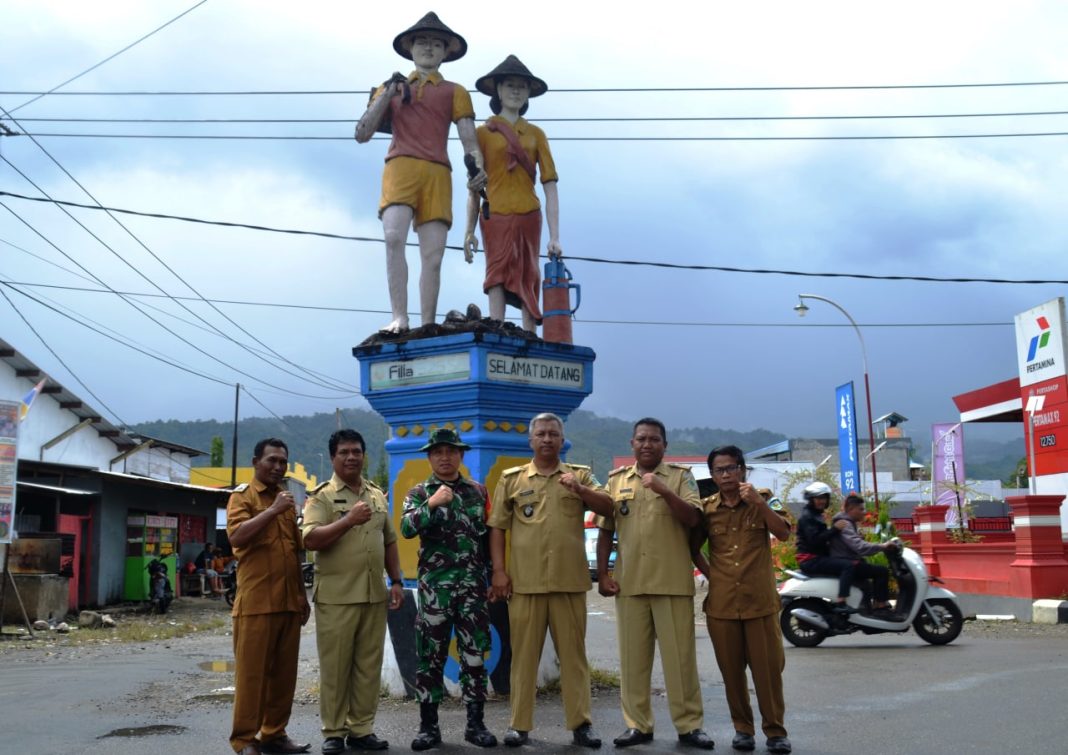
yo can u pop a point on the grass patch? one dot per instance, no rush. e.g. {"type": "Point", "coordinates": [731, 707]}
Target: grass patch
{"type": "Point", "coordinates": [600, 679]}
{"type": "Point", "coordinates": [135, 631]}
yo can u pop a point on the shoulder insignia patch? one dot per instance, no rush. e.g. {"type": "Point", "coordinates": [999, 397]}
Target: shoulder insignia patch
{"type": "Point", "coordinates": [241, 488]}
{"type": "Point", "coordinates": [373, 484]}
{"type": "Point", "coordinates": [618, 470]}
{"type": "Point", "coordinates": [511, 471]}
{"type": "Point", "coordinates": [577, 466]}
{"type": "Point", "coordinates": [318, 487]}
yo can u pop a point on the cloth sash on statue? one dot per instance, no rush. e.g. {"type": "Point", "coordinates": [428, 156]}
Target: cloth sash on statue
{"type": "Point", "coordinates": [516, 153]}
{"type": "Point", "coordinates": [512, 243]}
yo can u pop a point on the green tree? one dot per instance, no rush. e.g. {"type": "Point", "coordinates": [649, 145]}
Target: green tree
{"type": "Point", "coordinates": [218, 451]}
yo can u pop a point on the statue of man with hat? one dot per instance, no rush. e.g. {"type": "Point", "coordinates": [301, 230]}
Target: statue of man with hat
{"type": "Point", "coordinates": [417, 181]}
{"type": "Point", "coordinates": [515, 151]}
{"type": "Point", "coordinates": [447, 513]}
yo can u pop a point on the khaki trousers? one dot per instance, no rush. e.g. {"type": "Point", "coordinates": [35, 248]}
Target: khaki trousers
{"type": "Point", "coordinates": [564, 615]}
{"type": "Point", "coordinates": [756, 643]}
{"type": "Point", "coordinates": [666, 620]}
{"type": "Point", "coordinates": [266, 647]}
{"type": "Point", "coordinates": [350, 638]}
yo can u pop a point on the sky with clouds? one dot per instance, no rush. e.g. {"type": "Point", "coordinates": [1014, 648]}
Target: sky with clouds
{"type": "Point", "coordinates": [692, 347]}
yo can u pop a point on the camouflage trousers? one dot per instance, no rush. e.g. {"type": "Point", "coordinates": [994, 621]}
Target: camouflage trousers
{"type": "Point", "coordinates": [441, 610]}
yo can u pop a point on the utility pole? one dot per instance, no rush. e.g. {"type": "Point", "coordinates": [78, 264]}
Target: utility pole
{"type": "Point", "coordinates": [233, 454]}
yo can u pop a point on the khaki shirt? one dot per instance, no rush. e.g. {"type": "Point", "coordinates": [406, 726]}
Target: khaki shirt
{"type": "Point", "coordinates": [741, 581]}
{"type": "Point", "coordinates": [268, 571]}
{"type": "Point", "coordinates": [351, 570]}
{"type": "Point", "coordinates": [654, 547]}
{"type": "Point", "coordinates": [548, 533]}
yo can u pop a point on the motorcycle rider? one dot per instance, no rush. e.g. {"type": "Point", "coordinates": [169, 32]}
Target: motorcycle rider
{"type": "Point", "coordinates": [849, 545]}
{"type": "Point", "coordinates": [813, 544]}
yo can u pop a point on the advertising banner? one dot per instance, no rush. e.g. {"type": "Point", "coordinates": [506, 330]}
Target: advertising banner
{"type": "Point", "coordinates": [847, 439]}
{"type": "Point", "coordinates": [9, 431]}
{"type": "Point", "coordinates": [947, 470]}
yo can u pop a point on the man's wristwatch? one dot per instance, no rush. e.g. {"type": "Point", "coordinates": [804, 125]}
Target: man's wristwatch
{"type": "Point", "coordinates": [398, 581]}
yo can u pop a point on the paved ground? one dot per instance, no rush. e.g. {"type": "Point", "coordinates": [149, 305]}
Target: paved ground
{"type": "Point", "coordinates": [999, 688]}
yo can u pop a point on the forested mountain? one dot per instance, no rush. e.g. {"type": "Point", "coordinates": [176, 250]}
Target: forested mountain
{"type": "Point", "coordinates": [595, 439]}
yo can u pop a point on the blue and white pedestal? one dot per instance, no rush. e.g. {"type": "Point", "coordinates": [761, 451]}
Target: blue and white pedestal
{"type": "Point", "coordinates": [487, 387]}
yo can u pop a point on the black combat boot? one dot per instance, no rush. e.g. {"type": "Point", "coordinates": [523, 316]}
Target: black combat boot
{"type": "Point", "coordinates": [429, 734]}
{"type": "Point", "coordinates": [476, 732]}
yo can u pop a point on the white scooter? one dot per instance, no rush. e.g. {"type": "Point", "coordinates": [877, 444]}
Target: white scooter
{"type": "Point", "coordinates": [807, 618]}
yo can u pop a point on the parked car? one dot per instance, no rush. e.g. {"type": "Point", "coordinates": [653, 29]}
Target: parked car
{"type": "Point", "coordinates": [591, 550]}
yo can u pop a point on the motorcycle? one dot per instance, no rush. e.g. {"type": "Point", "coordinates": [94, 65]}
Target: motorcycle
{"type": "Point", "coordinates": [229, 582]}
{"type": "Point", "coordinates": [807, 619]}
{"type": "Point", "coordinates": [160, 594]}
{"type": "Point", "coordinates": [307, 571]}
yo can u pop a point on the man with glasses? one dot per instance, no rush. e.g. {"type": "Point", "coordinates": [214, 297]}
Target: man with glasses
{"type": "Point", "coordinates": [742, 606]}
{"type": "Point", "coordinates": [655, 506]}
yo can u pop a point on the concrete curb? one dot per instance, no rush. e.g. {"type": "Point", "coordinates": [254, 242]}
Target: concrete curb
{"type": "Point", "coordinates": [1050, 612]}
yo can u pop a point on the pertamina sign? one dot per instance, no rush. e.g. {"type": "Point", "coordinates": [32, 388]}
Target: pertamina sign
{"type": "Point", "coordinates": [1041, 349]}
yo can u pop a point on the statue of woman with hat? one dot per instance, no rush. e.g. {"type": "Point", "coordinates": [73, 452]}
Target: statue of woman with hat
{"type": "Point", "coordinates": [417, 181]}
{"type": "Point", "coordinates": [515, 152]}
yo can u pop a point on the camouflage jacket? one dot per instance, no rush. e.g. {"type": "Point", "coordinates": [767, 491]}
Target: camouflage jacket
{"type": "Point", "coordinates": [452, 537]}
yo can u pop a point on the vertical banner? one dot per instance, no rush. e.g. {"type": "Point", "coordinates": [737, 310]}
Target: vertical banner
{"type": "Point", "coordinates": [847, 439]}
{"type": "Point", "coordinates": [947, 470]}
{"type": "Point", "coordinates": [9, 431]}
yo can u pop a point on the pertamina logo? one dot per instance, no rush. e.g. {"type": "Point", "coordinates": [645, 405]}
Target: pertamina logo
{"type": "Point", "coordinates": [1039, 341]}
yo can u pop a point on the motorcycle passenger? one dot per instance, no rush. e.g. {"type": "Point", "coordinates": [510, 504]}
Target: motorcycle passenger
{"type": "Point", "coordinates": [813, 544]}
{"type": "Point", "coordinates": [851, 546]}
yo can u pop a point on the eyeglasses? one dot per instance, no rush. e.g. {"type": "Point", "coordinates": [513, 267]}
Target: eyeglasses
{"type": "Point", "coordinates": [729, 469]}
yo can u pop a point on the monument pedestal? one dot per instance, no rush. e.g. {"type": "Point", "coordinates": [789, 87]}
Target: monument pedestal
{"type": "Point", "coordinates": [487, 386]}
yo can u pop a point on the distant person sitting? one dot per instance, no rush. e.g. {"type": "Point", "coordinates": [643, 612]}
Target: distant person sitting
{"type": "Point", "coordinates": [204, 566]}
{"type": "Point", "coordinates": [850, 546]}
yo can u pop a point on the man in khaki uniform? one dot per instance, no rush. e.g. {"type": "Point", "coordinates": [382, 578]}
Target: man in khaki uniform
{"type": "Point", "coordinates": [542, 503]}
{"type": "Point", "coordinates": [347, 522]}
{"type": "Point", "coordinates": [742, 607]}
{"type": "Point", "coordinates": [271, 606]}
{"type": "Point", "coordinates": [655, 505]}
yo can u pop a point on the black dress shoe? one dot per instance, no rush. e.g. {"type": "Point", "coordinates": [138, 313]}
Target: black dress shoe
{"type": "Point", "coordinates": [584, 737]}
{"type": "Point", "coordinates": [333, 746]}
{"type": "Point", "coordinates": [779, 745]}
{"type": "Point", "coordinates": [697, 738]}
{"type": "Point", "coordinates": [284, 746]}
{"type": "Point", "coordinates": [366, 742]}
{"type": "Point", "coordinates": [632, 737]}
{"type": "Point", "coordinates": [743, 741]}
{"type": "Point", "coordinates": [515, 738]}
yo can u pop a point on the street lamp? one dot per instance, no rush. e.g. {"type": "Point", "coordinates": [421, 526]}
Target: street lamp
{"type": "Point", "coordinates": [802, 310]}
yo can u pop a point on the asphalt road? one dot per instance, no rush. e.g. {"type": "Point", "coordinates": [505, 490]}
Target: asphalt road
{"type": "Point", "coordinates": [995, 690]}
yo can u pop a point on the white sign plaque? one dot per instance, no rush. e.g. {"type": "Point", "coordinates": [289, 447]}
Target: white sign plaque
{"type": "Point", "coordinates": [532, 371]}
{"type": "Point", "coordinates": [421, 371]}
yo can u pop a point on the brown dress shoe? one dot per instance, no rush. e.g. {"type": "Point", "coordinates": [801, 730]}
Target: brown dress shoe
{"type": "Point", "coordinates": [284, 746]}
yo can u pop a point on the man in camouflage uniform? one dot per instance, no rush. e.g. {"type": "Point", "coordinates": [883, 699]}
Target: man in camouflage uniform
{"type": "Point", "coordinates": [448, 514]}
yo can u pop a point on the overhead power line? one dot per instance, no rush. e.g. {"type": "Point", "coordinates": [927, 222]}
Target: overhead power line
{"type": "Point", "coordinates": [579, 119]}
{"type": "Point", "coordinates": [686, 323]}
{"type": "Point", "coordinates": [297, 371]}
{"type": "Point", "coordinates": [72, 373]}
{"type": "Point", "coordinates": [114, 55]}
{"type": "Point", "coordinates": [809, 138]}
{"type": "Point", "coordinates": [597, 260]}
{"type": "Point", "coordinates": [560, 90]}
{"type": "Point", "coordinates": [133, 304]}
